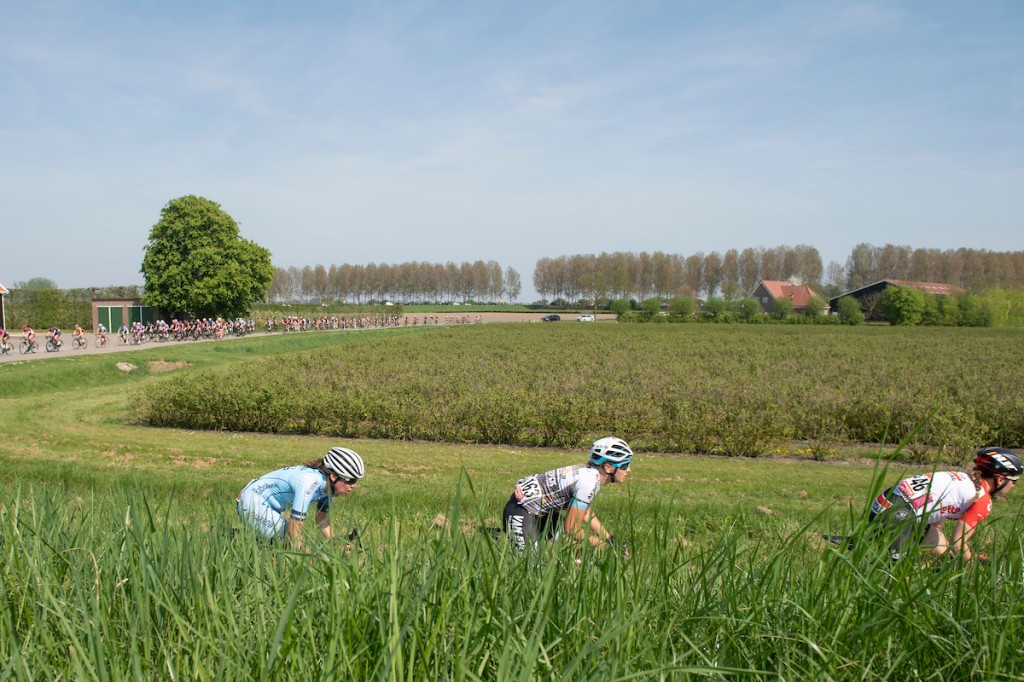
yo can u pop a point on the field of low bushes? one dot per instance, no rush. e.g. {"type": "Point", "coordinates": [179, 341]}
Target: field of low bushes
{"type": "Point", "coordinates": [666, 388]}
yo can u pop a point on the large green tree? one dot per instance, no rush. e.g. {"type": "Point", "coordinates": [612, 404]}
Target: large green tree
{"type": "Point", "coordinates": [196, 262]}
{"type": "Point", "coordinates": [849, 310]}
{"type": "Point", "coordinates": [903, 305]}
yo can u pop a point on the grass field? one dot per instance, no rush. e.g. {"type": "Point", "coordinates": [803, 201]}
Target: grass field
{"type": "Point", "coordinates": [120, 560]}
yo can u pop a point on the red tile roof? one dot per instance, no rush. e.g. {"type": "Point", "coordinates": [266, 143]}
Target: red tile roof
{"type": "Point", "coordinates": [800, 293]}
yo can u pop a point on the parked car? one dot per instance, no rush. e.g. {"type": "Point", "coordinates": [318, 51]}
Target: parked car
{"type": "Point", "coordinates": [585, 317]}
{"type": "Point", "coordinates": [551, 318]}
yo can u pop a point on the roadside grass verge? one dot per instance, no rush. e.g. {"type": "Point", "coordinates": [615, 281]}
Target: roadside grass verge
{"type": "Point", "coordinates": [84, 372]}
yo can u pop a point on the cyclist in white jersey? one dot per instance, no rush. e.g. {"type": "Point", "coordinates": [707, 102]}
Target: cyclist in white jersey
{"type": "Point", "coordinates": [263, 501]}
{"type": "Point", "coordinates": [930, 499]}
{"type": "Point", "coordinates": [538, 500]}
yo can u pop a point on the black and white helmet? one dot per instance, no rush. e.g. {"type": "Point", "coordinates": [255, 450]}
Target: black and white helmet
{"type": "Point", "coordinates": [615, 451]}
{"type": "Point", "coordinates": [346, 463]}
{"type": "Point", "coordinates": [999, 461]}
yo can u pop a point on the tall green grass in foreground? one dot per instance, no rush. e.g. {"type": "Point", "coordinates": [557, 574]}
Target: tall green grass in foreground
{"type": "Point", "coordinates": [129, 586]}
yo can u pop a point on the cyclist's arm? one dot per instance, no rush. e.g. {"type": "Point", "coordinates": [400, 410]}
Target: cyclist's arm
{"type": "Point", "coordinates": [294, 536]}
{"type": "Point", "coordinates": [600, 532]}
{"type": "Point", "coordinates": [578, 520]}
{"type": "Point", "coordinates": [324, 521]}
{"type": "Point", "coordinates": [964, 527]}
{"type": "Point", "coordinates": [961, 534]}
{"type": "Point", "coordinates": [575, 519]}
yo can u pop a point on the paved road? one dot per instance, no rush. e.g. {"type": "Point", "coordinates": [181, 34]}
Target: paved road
{"type": "Point", "coordinates": [114, 342]}
{"type": "Point", "coordinates": [113, 346]}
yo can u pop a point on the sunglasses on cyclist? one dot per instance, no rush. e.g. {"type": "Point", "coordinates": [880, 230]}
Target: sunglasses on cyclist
{"type": "Point", "coordinates": [624, 467]}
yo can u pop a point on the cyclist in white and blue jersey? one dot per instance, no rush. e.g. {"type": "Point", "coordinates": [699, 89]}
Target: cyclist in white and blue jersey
{"type": "Point", "coordinates": [538, 501]}
{"type": "Point", "coordinates": [298, 490]}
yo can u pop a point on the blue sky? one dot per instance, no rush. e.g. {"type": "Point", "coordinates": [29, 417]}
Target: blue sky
{"type": "Point", "coordinates": [362, 132]}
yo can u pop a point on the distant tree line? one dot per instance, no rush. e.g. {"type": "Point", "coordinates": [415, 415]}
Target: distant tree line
{"type": "Point", "coordinates": [638, 276]}
{"type": "Point", "coordinates": [46, 307]}
{"type": "Point", "coordinates": [971, 269]}
{"type": "Point", "coordinates": [734, 274]}
{"type": "Point", "coordinates": [402, 282]}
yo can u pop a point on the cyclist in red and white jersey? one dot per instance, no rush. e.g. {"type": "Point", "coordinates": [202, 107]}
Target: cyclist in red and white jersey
{"type": "Point", "coordinates": [930, 499]}
{"type": "Point", "coordinates": [538, 501]}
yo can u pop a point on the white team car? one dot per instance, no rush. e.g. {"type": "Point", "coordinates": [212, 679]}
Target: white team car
{"type": "Point", "coordinates": [586, 317]}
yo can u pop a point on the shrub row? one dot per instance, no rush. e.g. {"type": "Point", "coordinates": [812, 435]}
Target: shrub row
{"type": "Point", "coordinates": [673, 388]}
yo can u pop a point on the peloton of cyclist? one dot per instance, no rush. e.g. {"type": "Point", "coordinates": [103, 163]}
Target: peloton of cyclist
{"type": "Point", "coordinates": [538, 501]}
{"type": "Point", "coordinates": [914, 510]}
{"type": "Point", "coordinates": [263, 501]}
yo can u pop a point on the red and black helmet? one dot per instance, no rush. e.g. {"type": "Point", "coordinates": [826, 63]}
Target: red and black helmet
{"type": "Point", "coordinates": [999, 461]}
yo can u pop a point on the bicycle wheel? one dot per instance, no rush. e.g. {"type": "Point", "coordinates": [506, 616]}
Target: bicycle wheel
{"type": "Point", "coordinates": [51, 347]}
{"type": "Point", "coordinates": [23, 348]}
{"type": "Point", "coordinates": [79, 343]}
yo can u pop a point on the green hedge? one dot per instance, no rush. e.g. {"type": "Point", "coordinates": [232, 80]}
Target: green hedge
{"type": "Point", "coordinates": [737, 390]}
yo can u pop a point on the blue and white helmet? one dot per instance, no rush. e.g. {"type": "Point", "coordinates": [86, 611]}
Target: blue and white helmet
{"type": "Point", "coordinates": [346, 463]}
{"type": "Point", "coordinates": [615, 451]}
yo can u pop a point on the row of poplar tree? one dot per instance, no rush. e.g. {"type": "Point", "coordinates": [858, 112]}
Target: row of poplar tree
{"type": "Point", "coordinates": [626, 275]}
